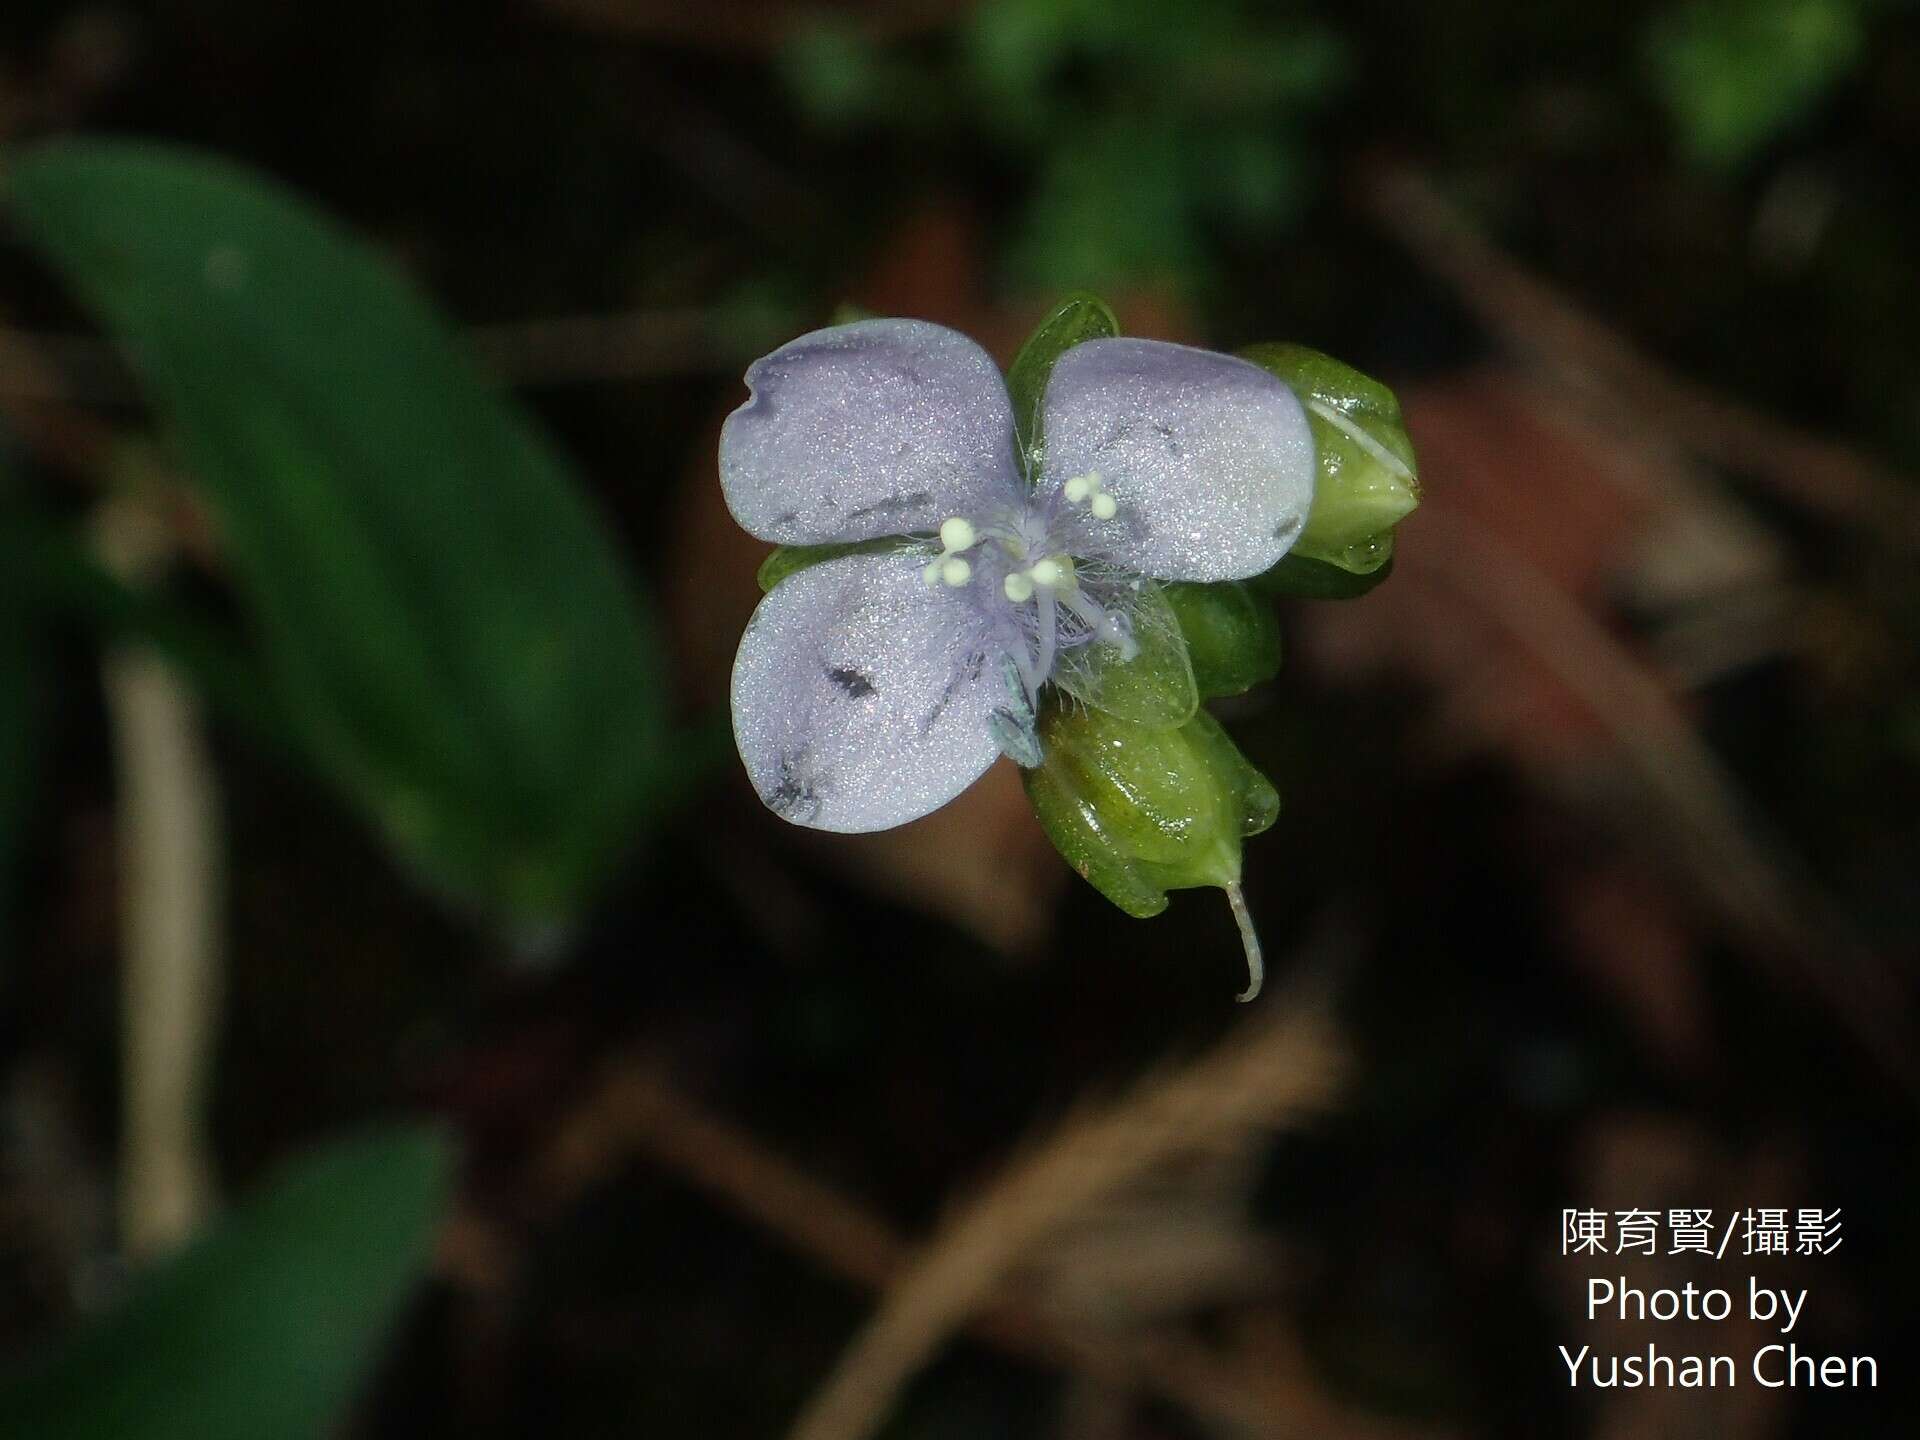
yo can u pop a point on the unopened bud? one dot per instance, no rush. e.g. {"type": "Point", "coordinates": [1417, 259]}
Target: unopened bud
{"type": "Point", "coordinates": [1367, 480]}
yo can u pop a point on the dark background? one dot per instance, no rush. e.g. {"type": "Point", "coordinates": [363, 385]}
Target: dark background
{"type": "Point", "coordinates": [1600, 813]}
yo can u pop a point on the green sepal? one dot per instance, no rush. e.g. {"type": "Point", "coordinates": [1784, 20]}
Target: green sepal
{"type": "Point", "coordinates": [1078, 318]}
{"type": "Point", "coordinates": [789, 559]}
{"type": "Point", "coordinates": [1233, 638]}
{"type": "Point", "coordinates": [1139, 811]}
{"type": "Point", "coordinates": [1156, 687]}
{"type": "Point", "coordinates": [1367, 480]}
{"type": "Point", "coordinates": [1300, 577]}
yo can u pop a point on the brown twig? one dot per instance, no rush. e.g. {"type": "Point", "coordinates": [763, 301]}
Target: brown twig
{"type": "Point", "coordinates": [1607, 371]}
{"type": "Point", "coordinates": [1278, 1067]}
{"type": "Point", "coordinates": [637, 1110]}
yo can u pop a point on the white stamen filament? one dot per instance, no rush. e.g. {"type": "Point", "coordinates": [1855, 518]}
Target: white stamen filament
{"type": "Point", "coordinates": [1049, 627]}
{"type": "Point", "coordinates": [1103, 626]}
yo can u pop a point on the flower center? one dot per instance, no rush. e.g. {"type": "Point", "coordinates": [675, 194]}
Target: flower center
{"type": "Point", "coordinates": [1018, 565]}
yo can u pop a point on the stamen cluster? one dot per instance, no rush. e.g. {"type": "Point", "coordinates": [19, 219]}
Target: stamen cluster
{"type": "Point", "coordinates": [1025, 577]}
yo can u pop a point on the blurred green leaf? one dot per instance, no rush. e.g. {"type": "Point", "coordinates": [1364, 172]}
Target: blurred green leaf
{"type": "Point", "coordinates": [442, 617]}
{"type": "Point", "coordinates": [834, 71]}
{"type": "Point", "coordinates": [1077, 318]}
{"type": "Point", "coordinates": [1734, 74]}
{"type": "Point", "coordinates": [1112, 205]}
{"type": "Point", "coordinates": [263, 1328]}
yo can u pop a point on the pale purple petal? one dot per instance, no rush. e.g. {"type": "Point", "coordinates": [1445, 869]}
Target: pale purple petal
{"type": "Point", "coordinates": [862, 697]}
{"type": "Point", "coordinates": [880, 427]}
{"type": "Point", "coordinates": [1208, 457]}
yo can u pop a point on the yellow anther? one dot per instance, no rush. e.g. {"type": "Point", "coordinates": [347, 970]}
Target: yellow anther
{"type": "Point", "coordinates": [955, 571]}
{"type": "Point", "coordinates": [1054, 572]}
{"type": "Point", "coordinates": [1103, 506]}
{"type": "Point", "coordinates": [1018, 587]}
{"type": "Point", "coordinates": [1077, 489]}
{"type": "Point", "coordinates": [957, 533]}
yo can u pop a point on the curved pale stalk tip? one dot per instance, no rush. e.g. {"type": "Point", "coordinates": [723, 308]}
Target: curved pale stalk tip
{"type": "Point", "coordinates": [1256, 968]}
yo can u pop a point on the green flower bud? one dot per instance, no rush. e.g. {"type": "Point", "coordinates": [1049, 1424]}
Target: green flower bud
{"type": "Point", "coordinates": [1367, 482]}
{"type": "Point", "coordinates": [1233, 638]}
{"type": "Point", "coordinates": [1139, 810]}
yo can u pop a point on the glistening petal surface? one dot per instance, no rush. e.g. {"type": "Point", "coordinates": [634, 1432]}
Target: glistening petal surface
{"type": "Point", "coordinates": [1208, 457]}
{"type": "Point", "coordinates": [861, 696]}
{"type": "Point", "coordinates": [880, 427]}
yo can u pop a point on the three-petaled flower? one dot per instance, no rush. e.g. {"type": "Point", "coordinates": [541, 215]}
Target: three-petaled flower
{"type": "Point", "coordinates": [873, 687]}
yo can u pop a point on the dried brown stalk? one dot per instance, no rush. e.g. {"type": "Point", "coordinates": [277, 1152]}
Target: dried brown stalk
{"type": "Point", "coordinates": [1282, 1065]}
{"type": "Point", "coordinates": [638, 1110]}
{"type": "Point", "coordinates": [172, 893]}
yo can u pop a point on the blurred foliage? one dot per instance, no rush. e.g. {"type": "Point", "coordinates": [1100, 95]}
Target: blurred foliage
{"type": "Point", "coordinates": [22, 681]}
{"type": "Point", "coordinates": [452, 636]}
{"type": "Point", "coordinates": [1733, 185]}
{"type": "Point", "coordinates": [55, 579]}
{"type": "Point", "coordinates": [1735, 74]}
{"type": "Point", "coordinates": [1148, 129]}
{"type": "Point", "coordinates": [267, 1324]}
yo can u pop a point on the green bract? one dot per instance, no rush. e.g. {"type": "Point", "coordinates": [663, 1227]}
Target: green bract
{"type": "Point", "coordinates": [787, 559]}
{"type": "Point", "coordinates": [1076, 318]}
{"type": "Point", "coordinates": [1155, 687]}
{"type": "Point", "coordinates": [1139, 810]}
{"type": "Point", "coordinates": [1367, 482]}
{"type": "Point", "coordinates": [1233, 639]}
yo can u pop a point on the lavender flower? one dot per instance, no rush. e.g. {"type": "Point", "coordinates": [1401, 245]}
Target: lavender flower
{"type": "Point", "coordinates": [874, 687]}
